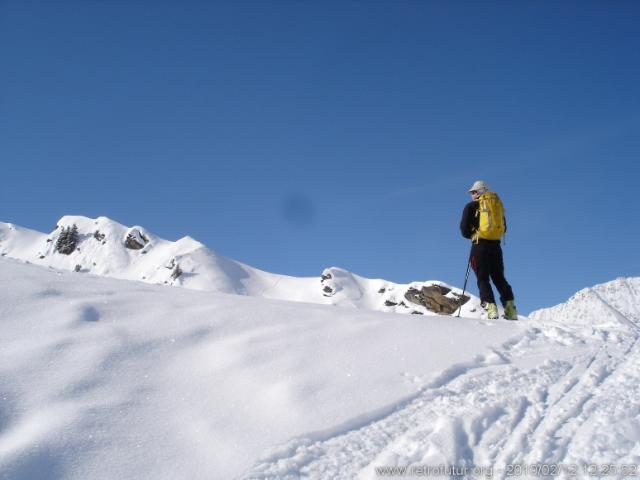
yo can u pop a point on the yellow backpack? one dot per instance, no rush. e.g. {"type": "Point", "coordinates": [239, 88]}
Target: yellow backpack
{"type": "Point", "coordinates": [491, 222]}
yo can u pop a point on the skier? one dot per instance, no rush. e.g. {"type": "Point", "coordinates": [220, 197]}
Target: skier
{"type": "Point", "coordinates": [484, 223]}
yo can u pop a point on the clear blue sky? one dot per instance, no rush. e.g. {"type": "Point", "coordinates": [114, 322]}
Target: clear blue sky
{"type": "Point", "coordinates": [297, 135]}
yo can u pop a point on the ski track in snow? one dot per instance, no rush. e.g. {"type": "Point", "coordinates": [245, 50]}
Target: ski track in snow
{"type": "Point", "coordinates": [503, 409]}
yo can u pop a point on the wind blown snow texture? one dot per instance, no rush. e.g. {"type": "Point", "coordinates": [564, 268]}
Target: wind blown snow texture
{"type": "Point", "coordinates": [104, 378]}
{"type": "Point", "coordinates": [101, 251]}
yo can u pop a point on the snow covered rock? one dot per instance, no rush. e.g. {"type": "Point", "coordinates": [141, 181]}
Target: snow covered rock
{"type": "Point", "coordinates": [326, 279]}
{"type": "Point", "coordinates": [67, 240]}
{"type": "Point", "coordinates": [135, 239]}
{"type": "Point", "coordinates": [104, 247]}
{"type": "Point", "coordinates": [436, 298]}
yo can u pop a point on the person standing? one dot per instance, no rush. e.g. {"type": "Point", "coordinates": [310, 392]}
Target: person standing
{"type": "Point", "coordinates": [484, 223]}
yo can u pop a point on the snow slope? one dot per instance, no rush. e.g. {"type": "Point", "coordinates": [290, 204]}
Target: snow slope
{"type": "Point", "coordinates": [104, 378]}
{"type": "Point", "coordinates": [559, 400]}
{"type": "Point", "coordinates": [102, 250]}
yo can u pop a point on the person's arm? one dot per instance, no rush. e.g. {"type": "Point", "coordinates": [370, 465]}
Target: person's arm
{"type": "Point", "coordinates": [468, 221]}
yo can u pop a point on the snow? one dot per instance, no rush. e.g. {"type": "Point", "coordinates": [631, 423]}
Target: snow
{"type": "Point", "coordinates": [102, 251]}
{"type": "Point", "coordinates": [113, 372]}
{"type": "Point", "coordinates": [616, 303]}
{"type": "Point", "coordinates": [104, 378]}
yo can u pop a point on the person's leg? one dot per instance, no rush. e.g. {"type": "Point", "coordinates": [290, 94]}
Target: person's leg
{"type": "Point", "coordinates": [482, 268]}
{"type": "Point", "coordinates": [496, 270]}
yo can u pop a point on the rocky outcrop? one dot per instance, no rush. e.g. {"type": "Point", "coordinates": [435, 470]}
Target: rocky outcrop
{"type": "Point", "coordinates": [68, 240]}
{"type": "Point", "coordinates": [328, 290]}
{"type": "Point", "coordinates": [436, 298]}
{"type": "Point", "coordinates": [176, 272]}
{"type": "Point", "coordinates": [135, 240]}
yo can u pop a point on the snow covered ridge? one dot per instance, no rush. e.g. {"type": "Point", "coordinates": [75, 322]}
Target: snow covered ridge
{"type": "Point", "coordinates": [104, 247]}
{"type": "Point", "coordinates": [612, 304]}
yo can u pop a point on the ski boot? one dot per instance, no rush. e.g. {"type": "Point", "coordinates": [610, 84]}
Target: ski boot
{"type": "Point", "coordinates": [492, 310]}
{"type": "Point", "coordinates": [510, 312]}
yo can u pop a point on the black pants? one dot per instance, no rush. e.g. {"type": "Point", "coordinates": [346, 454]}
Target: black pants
{"type": "Point", "coordinates": [486, 261]}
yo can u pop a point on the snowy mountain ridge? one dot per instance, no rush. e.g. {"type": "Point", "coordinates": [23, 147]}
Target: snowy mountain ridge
{"type": "Point", "coordinates": [612, 304]}
{"type": "Point", "coordinates": [107, 248]}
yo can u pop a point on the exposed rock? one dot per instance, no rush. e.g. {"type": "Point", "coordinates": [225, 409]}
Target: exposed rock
{"type": "Point", "coordinates": [434, 298]}
{"type": "Point", "coordinates": [177, 271]}
{"type": "Point", "coordinates": [77, 268]}
{"type": "Point", "coordinates": [135, 240]}
{"type": "Point", "coordinates": [68, 240]}
{"type": "Point", "coordinates": [327, 282]}
{"type": "Point", "coordinates": [389, 303]}
{"type": "Point", "coordinates": [382, 290]}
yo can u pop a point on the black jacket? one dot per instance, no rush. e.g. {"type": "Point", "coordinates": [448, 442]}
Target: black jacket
{"type": "Point", "coordinates": [470, 220]}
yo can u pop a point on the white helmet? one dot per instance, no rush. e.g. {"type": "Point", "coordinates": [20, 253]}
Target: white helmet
{"type": "Point", "coordinates": [479, 186]}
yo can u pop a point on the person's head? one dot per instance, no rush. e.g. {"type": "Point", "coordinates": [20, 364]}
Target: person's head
{"type": "Point", "coordinates": [478, 188]}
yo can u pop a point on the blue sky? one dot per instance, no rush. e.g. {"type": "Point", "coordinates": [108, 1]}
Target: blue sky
{"type": "Point", "coordinates": [297, 135]}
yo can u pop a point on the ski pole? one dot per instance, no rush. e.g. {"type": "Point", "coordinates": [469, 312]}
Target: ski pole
{"type": "Point", "coordinates": [464, 288]}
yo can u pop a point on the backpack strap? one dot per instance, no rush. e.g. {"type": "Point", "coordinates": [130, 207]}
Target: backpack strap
{"type": "Point", "coordinates": [475, 236]}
